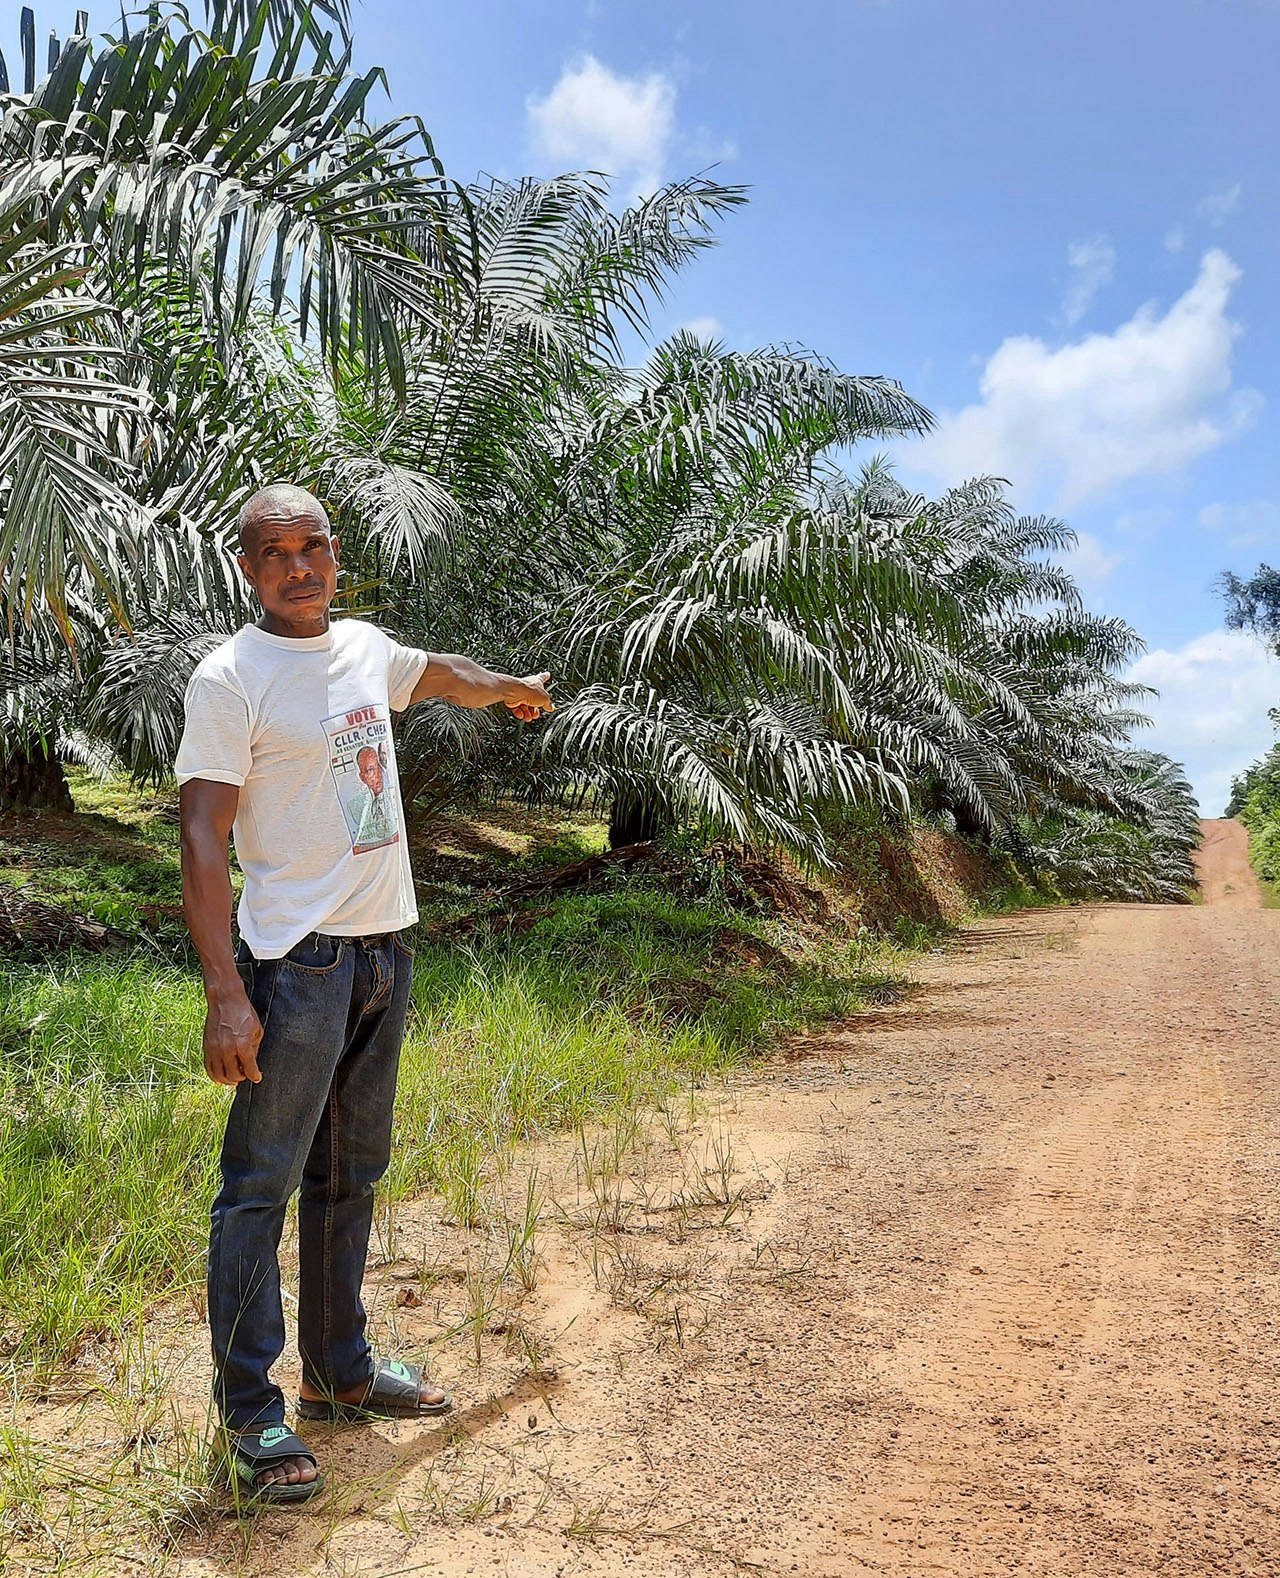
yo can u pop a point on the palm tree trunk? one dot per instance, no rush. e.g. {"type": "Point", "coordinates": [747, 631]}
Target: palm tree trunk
{"type": "Point", "coordinates": [33, 779]}
{"type": "Point", "coordinates": [970, 826]}
{"type": "Point", "coordinates": [636, 818]}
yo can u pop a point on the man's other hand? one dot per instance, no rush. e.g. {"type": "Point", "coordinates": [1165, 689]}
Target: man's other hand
{"type": "Point", "coordinates": [231, 1035]}
{"type": "Point", "coordinates": [528, 697]}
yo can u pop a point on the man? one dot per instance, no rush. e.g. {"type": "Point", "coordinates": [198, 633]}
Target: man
{"type": "Point", "coordinates": [285, 721]}
{"type": "Point", "coordinates": [369, 810]}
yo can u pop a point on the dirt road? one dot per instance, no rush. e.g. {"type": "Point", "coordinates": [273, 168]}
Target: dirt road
{"type": "Point", "coordinates": [998, 1293]}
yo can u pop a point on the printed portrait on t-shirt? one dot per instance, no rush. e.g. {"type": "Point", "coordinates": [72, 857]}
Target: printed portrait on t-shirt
{"type": "Point", "coordinates": [360, 761]}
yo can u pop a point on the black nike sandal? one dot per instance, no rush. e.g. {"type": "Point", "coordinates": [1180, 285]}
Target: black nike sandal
{"type": "Point", "coordinates": [246, 1453]}
{"type": "Point", "coordinates": [394, 1392]}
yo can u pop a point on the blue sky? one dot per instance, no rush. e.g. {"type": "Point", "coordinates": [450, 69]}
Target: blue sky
{"type": "Point", "coordinates": [1055, 224]}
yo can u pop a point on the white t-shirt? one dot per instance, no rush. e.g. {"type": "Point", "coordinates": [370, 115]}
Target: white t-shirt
{"type": "Point", "coordinates": [303, 726]}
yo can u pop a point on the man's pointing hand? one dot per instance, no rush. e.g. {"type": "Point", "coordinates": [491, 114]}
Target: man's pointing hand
{"type": "Point", "coordinates": [528, 698]}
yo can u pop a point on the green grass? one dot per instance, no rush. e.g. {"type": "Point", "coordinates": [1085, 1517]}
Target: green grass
{"type": "Point", "coordinates": [117, 861]}
{"type": "Point", "coordinates": [611, 999]}
{"type": "Point", "coordinates": [109, 1128]}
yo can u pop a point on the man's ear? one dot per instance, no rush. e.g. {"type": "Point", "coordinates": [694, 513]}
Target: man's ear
{"type": "Point", "coordinates": [242, 559]}
{"type": "Point", "coordinates": [333, 544]}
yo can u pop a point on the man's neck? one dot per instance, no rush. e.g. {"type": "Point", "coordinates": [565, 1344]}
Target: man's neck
{"type": "Point", "coordinates": [294, 631]}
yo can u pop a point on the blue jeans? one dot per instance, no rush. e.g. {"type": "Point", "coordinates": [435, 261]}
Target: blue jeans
{"type": "Point", "coordinates": [333, 1012]}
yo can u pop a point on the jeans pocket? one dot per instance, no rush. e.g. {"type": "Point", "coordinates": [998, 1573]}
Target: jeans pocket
{"type": "Point", "coordinates": [244, 966]}
{"type": "Point", "coordinates": [316, 954]}
{"type": "Point", "coordinates": [400, 945]}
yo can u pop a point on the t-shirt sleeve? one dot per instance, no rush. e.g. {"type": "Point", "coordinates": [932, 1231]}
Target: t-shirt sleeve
{"type": "Point", "coordinates": [215, 739]}
{"type": "Point", "coordinates": [406, 666]}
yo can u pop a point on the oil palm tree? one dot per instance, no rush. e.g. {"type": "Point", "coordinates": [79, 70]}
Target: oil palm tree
{"type": "Point", "coordinates": [205, 175]}
{"type": "Point", "coordinates": [215, 269]}
{"type": "Point", "coordinates": [162, 191]}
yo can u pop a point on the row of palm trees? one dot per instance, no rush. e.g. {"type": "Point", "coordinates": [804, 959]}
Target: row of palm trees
{"type": "Point", "coordinates": [217, 269]}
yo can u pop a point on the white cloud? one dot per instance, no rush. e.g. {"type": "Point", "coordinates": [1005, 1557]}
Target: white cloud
{"type": "Point", "coordinates": [1175, 239]}
{"type": "Point", "coordinates": [595, 119]}
{"type": "Point", "coordinates": [1212, 710]}
{"type": "Point", "coordinates": [704, 148]}
{"type": "Point", "coordinates": [1146, 399]}
{"type": "Point", "coordinates": [707, 328]}
{"type": "Point", "coordinates": [1088, 561]}
{"type": "Point", "coordinates": [1218, 207]}
{"type": "Point", "coordinates": [1249, 524]}
{"type": "Point", "coordinates": [1092, 263]}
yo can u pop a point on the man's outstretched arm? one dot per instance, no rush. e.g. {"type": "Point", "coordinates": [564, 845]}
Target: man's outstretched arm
{"type": "Point", "coordinates": [458, 679]}
{"type": "Point", "coordinates": [231, 1028]}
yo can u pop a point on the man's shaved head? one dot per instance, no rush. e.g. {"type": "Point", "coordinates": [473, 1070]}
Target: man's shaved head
{"type": "Point", "coordinates": [289, 557]}
{"type": "Point", "coordinates": [279, 501]}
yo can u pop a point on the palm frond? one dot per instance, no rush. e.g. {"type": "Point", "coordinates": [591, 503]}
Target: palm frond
{"type": "Point", "coordinates": [64, 495]}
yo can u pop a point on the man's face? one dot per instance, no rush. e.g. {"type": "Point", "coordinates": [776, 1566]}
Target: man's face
{"type": "Point", "coordinates": [291, 561]}
{"type": "Point", "coordinates": [370, 769]}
